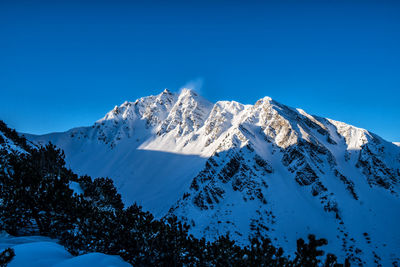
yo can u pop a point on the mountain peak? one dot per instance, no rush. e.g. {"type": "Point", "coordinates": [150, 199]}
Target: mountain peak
{"type": "Point", "coordinates": [267, 99]}
{"type": "Point", "coordinates": [189, 97]}
{"type": "Point", "coordinates": [188, 92]}
{"type": "Point", "coordinates": [166, 95]}
{"type": "Point", "coordinates": [166, 91]}
{"type": "Point", "coordinates": [207, 162]}
{"type": "Point", "coordinates": [264, 101]}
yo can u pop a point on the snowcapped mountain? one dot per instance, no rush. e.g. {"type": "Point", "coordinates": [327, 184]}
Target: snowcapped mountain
{"type": "Point", "coordinates": [263, 169]}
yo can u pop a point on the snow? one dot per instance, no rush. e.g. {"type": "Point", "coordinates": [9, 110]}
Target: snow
{"type": "Point", "coordinates": [93, 259]}
{"type": "Point", "coordinates": [39, 251]}
{"type": "Point", "coordinates": [355, 137]}
{"type": "Point", "coordinates": [76, 188]}
{"type": "Point", "coordinates": [9, 145]}
{"type": "Point", "coordinates": [153, 149]}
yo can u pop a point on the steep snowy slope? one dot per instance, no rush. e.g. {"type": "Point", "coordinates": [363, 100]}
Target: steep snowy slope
{"type": "Point", "coordinates": [262, 169]}
{"type": "Point", "coordinates": [123, 146]}
{"type": "Point", "coordinates": [9, 144]}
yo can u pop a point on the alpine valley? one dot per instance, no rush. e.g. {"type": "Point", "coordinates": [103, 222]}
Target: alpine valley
{"type": "Point", "coordinates": [248, 170]}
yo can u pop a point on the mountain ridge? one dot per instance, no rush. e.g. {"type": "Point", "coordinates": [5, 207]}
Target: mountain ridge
{"type": "Point", "coordinates": [206, 163]}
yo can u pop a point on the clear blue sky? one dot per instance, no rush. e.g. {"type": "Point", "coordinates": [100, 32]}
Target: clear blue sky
{"type": "Point", "coordinates": [66, 63]}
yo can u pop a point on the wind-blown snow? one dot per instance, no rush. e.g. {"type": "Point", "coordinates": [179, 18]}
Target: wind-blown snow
{"type": "Point", "coordinates": [262, 169]}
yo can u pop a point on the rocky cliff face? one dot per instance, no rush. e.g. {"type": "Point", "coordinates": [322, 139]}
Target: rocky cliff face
{"type": "Point", "coordinates": [263, 169]}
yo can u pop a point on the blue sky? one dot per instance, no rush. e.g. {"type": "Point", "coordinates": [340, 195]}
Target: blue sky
{"type": "Point", "coordinates": [65, 64]}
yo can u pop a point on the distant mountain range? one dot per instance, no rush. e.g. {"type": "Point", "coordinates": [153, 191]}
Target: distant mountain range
{"type": "Point", "coordinates": [247, 170]}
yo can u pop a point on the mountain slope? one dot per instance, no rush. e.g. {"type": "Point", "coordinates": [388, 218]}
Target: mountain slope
{"type": "Point", "coordinates": [262, 169]}
{"type": "Point", "coordinates": [10, 141]}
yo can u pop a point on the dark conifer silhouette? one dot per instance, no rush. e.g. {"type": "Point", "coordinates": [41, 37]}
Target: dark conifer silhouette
{"type": "Point", "coordinates": [6, 256]}
{"type": "Point", "coordinates": [36, 198]}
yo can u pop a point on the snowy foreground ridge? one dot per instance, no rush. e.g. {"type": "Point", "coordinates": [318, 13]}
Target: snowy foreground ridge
{"type": "Point", "coordinates": [263, 169]}
{"type": "Point", "coordinates": [38, 251]}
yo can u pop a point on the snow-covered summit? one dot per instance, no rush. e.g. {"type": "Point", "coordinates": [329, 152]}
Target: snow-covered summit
{"type": "Point", "coordinates": [262, 169]}
{"type": "Point", "coordinates": [152, 107]}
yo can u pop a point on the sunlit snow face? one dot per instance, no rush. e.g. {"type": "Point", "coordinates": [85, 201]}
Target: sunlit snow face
{"type": "Point", "coordinates": [243, 166]}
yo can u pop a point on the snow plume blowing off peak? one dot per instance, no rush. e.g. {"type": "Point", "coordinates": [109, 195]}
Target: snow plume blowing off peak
{"type": "Point", "coordinates": [249, 170]}
{"type": "Point", "coordinates": [193, 85]}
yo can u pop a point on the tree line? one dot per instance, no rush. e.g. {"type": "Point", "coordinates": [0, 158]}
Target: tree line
{"type": "Point", "coordinates": [36, 198]}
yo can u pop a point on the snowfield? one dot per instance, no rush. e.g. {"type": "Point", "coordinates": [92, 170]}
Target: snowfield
{"type": "Point", "coordinates": [39, 251]}
{"type": "Point", "coordinates": [248, 170]}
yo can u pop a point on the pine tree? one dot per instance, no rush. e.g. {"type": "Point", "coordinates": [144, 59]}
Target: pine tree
{"type": "Point", "coordinates": [6, 257]}
{"type": "Point", "coordinates": [35, 197]}
{"type": "Point", "coordinates": [307, 254]}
